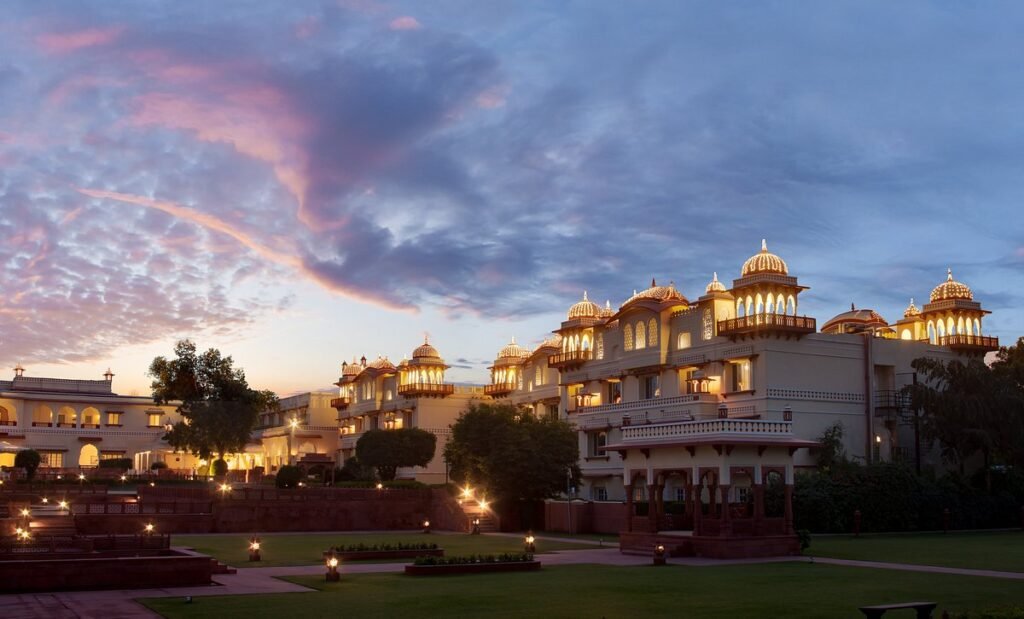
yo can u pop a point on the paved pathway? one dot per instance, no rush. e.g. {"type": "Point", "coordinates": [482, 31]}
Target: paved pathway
{"type": "Point", "coordinates": [121, 604]}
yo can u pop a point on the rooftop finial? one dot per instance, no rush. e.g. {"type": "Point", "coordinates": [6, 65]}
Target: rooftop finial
{"type": "Point", "coordinates": [608, 304]}
{"type": "Point", "coordinates": [764, 245]}
{"type": "Point", "coordinates": [653, 283]}
{"type": "Point", "coordinates": [949, 274]}
{"type": "Point", "coordinates": [513, 339]}
{"type": "Point", "coordinates": [852, 307]}
{"type": "Point", "coordinates": [714, 276]}
{"type": "Point", "coordinates": [584, 295]}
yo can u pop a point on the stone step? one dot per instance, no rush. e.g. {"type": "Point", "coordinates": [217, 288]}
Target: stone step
{"type": "Point", "coordinates": [220, 568]}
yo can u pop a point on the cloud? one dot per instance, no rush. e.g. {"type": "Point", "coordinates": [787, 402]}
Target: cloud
{"type": "Point", "coordinates": [405, 22]}
{"type": "Point", "coordinates": [66, 42]}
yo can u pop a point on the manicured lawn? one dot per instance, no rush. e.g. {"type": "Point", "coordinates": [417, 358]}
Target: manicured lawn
{"type": "Point", "coordinates": [306, 549]}
{"type": "Point", "coordinates": [771, 590]}
{"type": "Point", "coordinates": [987, 551]}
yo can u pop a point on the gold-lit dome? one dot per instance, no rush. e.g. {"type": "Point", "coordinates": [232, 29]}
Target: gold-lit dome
{"type": "Point", "coordinates": [951, 289]}
{"type": "Point", "coordinates": [554, 341]}
{"type": "Point", "coordinates": [657, 293]}
{"type": "Point", "coordinates": [764, 262]}
{"type": "Point", "coordinates": [714, 285]}
{"type": "Point", "coordinates": [513, 351]}
{"type": "Point", "coordinates": [426, 351]}
{"type": "Point", "coordinates": [381, 363]}
{"type": "Point", "coordinates": [584, 309]}
{"type": "Point", "coordinates": [911, 310]}
{"type": "Point", "coordinates": [607, 311]}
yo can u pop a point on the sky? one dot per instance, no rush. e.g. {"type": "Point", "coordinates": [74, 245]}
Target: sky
{"type": "Point", "coordinates": [302, 183]}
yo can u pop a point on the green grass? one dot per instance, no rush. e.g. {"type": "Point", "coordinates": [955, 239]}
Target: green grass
{"type": "Point", "coordinates": [769, 590]}
{"type": "Point", "coordinates": [305, 549]}
{"type": "Point", "coordinates": [986, 551]}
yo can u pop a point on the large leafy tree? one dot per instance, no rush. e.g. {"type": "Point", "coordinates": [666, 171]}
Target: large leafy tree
{"type": "Point", "coordinates": [387, 450]}
{"type": "Point", "coordinates": [219, 410]}
{"type": "Point", "coordinates": [971, 408]}
{"type": "Point", "coordinates": [512, 454]}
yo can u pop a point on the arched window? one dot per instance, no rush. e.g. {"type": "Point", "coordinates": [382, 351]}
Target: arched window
{"type": "Point", "coordinates": [950, 326]}
{"type": "Point", "coordinates": [740, 310]}
{"type": "Point", "coordinates": [91, 417]}
{"type": "Point", "coordinates": [5, 417]}
{"type": "Point", "coordinates": [750, 305]}
{"type": "Point", "coordinates": [708, 326]}
{"type": "Point", "coordinates": [683, 340]}
{"type": "Point", "coordinates": [940, 328]}
{"type": "Point", "coordinates": [758, 304]}
{"type": "Point", "coordinates": [791, 309]}
{"type": "Point", "coordinates": [42, 416]}
{"type": "Point", "coordinates": [769, 303]}
{"type": "Point", "coordinates": [627, 337]}
{"type": "Point", "coordinates": [931, 332]}
{"type": "Point", "coordinates": [780, 305]}
{"type": "Point", "coordinates": [652, 332]}
{"type": "Point", "coordinates": [599, 346]}
{"type": "Point", "coordinates": [977, 327]}
{"type": "Point", "coordinates": [538, 376]}
{"type": "Point", "coordinates": [66, 416]}
{"type": "Point", "coordinates": [641, 337]}
{"type": "Point", "coordinates": [906, 335]}
{"type": "Point", "coordinates": [585, 342]}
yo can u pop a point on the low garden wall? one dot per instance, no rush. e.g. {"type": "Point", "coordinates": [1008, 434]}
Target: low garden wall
{"type": "Point", "coordinates": [172, 569]}
{"type": "Point", "coordinates": [587, 517]}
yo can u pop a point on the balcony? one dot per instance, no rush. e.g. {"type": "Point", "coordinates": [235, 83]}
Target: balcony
{"type": "Point", "coordinates": [891, 400]}
{"type": "Point", "coordinates": [570, 358]}
{"type": "Point", "coordinates": [767, 324]}
{"type": "Point", "coordinates": [340, 403]}
{"type": "Point", "coordinates": [8, 422]}
{"type": "Point", "coordinates": [711, 430]}
{"type": "Point", "coordinates": [430, 390]}
{"type": "Point", "coordinates": [499, 389]}
{"type": "Point", "coordinates": [970, 343]}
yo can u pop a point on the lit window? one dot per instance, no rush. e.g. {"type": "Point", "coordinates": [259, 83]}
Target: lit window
{"type": "Point", "coordinates": [153, 420]}
{"type": "Point", "coordinates": [740, 375]}
{"type": "Point", "coordinates": [652, 333]}
{"type": "Point", "coordinates": [113, 419]}
{"type": "Point", "coordinates": [598, 440]}
{"type": "Point", "coordinates": [708, 325]}
{"type": "Point", "coordinates": [641, 337]}
{"type": "Point", "coordinates": [627, 338]}
{"type": "Point", "coordinates": [682, 341]}
{"type": "Point", "coordinates": [598, 493]}
{"type": "Point", "coordinates": [538, 376]}
{"type": "Point", "coordinates": [651, 387]}
{"type": "Point", "coordinates": [599, 346]}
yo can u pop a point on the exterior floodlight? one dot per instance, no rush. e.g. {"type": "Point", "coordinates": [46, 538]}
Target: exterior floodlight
{"type": "Point", "coordinates": [530, 542]}
{"type": "Point", "coordinates": [254, 548]}
{"type": "Point", "coordinates": [380, 486]}
{"type": "Point", "coordinates": [476, 527]}
{"type": "Point", "coordinates": [426, 526]}
{"type": "Point", "coordinates": [659, 554]}
{"type": "Point", "coordinates": [149, 528]}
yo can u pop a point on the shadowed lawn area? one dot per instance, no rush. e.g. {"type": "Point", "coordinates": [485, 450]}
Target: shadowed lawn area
{"type": "Point", "coordinates": [305, 549]}
{"type": "Point", "coordinates": [771, 590]}
{"type": "Point", "coordinates": [984, 551]}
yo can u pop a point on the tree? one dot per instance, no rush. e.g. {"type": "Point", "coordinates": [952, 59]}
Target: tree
{"type": "Point", "coordinates": [831, 452]}
{"type": "Point", "coordinates": [512, 454]}
{"type": "Point", "coordinates": [288, 476]}
{"type": "Point", "coordinates": [387, 450]}
{"type": "Point", "coordinates": [28, 459]}
{"type": "Point", "coordinates": [219, 410]}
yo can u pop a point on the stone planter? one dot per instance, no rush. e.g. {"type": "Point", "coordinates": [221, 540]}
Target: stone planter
{"type": "Point", "coordinates": [357, 555]}
{"type": "Point", "coordinates": [472, 568]}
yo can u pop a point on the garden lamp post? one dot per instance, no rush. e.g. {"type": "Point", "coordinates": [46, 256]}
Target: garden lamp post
{"type": "Point", "coordinates": [530, 542]}
{"type": "Point", "coordinates": [294, 423]}
{"type": "Point", "coordinates": [426, 526]}
{"type": "Point", "coordinates": [659, 554]}
{"type": "Point", "coordinates": [254, 548]}
{"type": "Point", "coordinates": [476, 527]}
{"type": "Point", "coordinates": [332, 566]}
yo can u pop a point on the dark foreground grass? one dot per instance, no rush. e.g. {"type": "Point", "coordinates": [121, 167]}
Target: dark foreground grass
{"type": "Point", "coordinates": [769, 590]}
{"type": "Point", "coordinates": [985, 551]}
{"type": "Point", "coordinates": [305, 549]}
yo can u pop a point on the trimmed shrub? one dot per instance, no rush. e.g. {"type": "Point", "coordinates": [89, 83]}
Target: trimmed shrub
{"type": "Point", "coordinates": [220, 468]}
{"type": "Point", "coordinates": [508, 557]}
{"type": "Point", "coordinates": [158, 465]}
{"type": "Point", "coordinates": [116, 463]}
{"type": "Point", "coordinates": [288, 476]}
{"type": "Point", "coordinates": [29, 460]}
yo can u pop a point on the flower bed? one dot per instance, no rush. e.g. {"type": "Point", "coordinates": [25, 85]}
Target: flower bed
{"type": "Point", "coordinates": [386, 551]}
{"type": "Point", "coordinates": [473, 564]}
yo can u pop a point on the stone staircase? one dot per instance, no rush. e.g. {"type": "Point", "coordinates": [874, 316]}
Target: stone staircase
{"type": "Point", "coordinates": [219, 568]}
{"type": "Point", "coordinates": [52, 525]}
{"type": "Point", "coordinates": [488, 523]}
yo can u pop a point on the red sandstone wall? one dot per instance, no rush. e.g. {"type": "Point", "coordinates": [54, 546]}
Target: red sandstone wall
{"type": "Point", "coordinates": [587, 517]}
{"type": "Point", "coordinates": [119, 573]}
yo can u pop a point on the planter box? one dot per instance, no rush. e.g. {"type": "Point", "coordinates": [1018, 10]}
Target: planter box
{"type": "Point", "coordinates": [356, 555]}
{"type": "Point", "coordinates": [472, 568]}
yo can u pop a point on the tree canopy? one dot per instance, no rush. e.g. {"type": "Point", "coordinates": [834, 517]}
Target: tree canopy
{"type": "Point", "coordinates": [972, 408]}
{"type": "Point", "coordinates": [388, 450]}
{"type": "Point", "coordinates": [512, 454]}
{"type": "Point", "coordinates": [218, 407]}
{"type": "Point", "coordinates": [28, 459]}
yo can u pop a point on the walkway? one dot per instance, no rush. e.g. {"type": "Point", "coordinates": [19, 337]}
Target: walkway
{"type": "Point", "coordinates": [121, 604]}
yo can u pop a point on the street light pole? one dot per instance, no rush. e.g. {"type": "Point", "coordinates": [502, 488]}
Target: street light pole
{"type": "Point", "coordinates": [294, 423]}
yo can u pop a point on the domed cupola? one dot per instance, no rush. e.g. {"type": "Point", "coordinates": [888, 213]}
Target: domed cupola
{"type": "Point", "coordinates": [584, 309]}
{"type": "Point", "coordinates": [607, 311]}
{"type": "Point", "coordinates": [764, 262]}
{"type": "Point", "coordinates": [911, 310]}
{"type": "Point", "coordinates": [951, 289]}
{"type": "Point", "coordinates": [953, 318]}
{"type": "Point", "coordinates": [425, 351]}
{"type": "Point", "coordinates": [714, 285]}
{"type": "Point", "coordinates": [381, 365]}
{"type": "Point", "coordinates": [857, 321]}
{"type": "Point", "coordinates": [513, 351]}
{"type": "Point", "coordinates": [506, 373]}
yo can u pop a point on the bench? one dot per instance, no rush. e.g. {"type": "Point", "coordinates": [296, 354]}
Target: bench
{"type": "Point", "coordinates": [924, 609]}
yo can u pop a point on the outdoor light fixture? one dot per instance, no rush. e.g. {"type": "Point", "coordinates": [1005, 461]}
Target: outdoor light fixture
{"type": "Point", "coordinates": [25, 512]}
{"type": "Point", "coordinates": [531, 545]}
{"type": "Point", "coordinates": [124, 478]}
{"type": "Point", "coordinates": [225, 488]}
{"type": "Point", "coordinates": [483, 504]}
{"type": "Point", "coordinates": [294, 423]}
{"type": "Point", "coordinates": [659, 554]}
{"type": "Point", "coordinates": [63, 505]}
{"type": "Point", "coordinates": [878, 438]}
{"type": "Point", "coordinates": [467, 493]}
{"type": "Point", "coordinates": [149, 528]}
{"type": "Point", "coordinates": [254, 548]}
{"type": "Point", "coordinates": [152, 484]}
{"type": "Point", "coordinates": [332, 566]}
{"type": "Point", "coordinates": [476, 527]}
{"type": "Point", "coordinates": [426, 526]}
{"type": "Point", "coordinates": [45, 500]}
{"type": "Point", "coordinates": [380, 486]}
{"type": "Point", "coordinates": [81, 477]}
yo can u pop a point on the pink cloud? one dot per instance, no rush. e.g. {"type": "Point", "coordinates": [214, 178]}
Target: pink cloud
{"type": "Point", "coordinates": [64, 42]}
{"type": "Point", "coordinates": [491, 98]}
{"type": "Point", "coordinates": [405, 22]}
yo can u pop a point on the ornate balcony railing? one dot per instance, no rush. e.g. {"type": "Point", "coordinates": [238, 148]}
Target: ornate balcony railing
{"type": "Point", "coordinates": [970, 343]}
{"type": "Point", "coordinates": [570, 358]}
{"type": "Point", "coordinates": [499, 389]}
{"type": "Point", "coordinates": [426, 389]}
{"type": "Point", "coordinates": [340, 403]}
{"type": "Point", "coordinates": [687, 429]}
{"type": "Point", "coordinates": [766, 323]}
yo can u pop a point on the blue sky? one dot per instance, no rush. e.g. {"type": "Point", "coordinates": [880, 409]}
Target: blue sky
{"type": "Point", "coordinates": [300, 183]}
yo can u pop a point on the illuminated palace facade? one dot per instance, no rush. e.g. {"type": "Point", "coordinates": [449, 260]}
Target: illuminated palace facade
{"type": "Point", "coordinates": [668, 394]}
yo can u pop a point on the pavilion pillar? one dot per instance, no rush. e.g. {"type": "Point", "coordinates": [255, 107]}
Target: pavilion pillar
{"type": "Point", "coordinates": [688, 504]}
{"type": "Point", "coordinates": [629, 505]}
{"type": "Point", "coordinates": [758, 509]}
{"type": "Point", "coordinates": [789, 509]}
{"type": "Point", "coordinates": [698, 509]}
{"type": "Point", "coordinates": [652, 507]}
{"type": "Point", "coordinates": [725, 527]}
